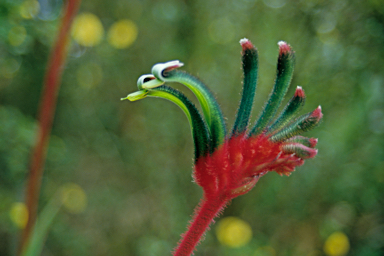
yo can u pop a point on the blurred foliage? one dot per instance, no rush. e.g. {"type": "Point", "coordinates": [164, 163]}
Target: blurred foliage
{"type": "Point", "coordinates": [132, 161]}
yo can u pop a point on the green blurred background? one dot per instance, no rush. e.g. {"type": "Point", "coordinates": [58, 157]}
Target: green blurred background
{"type": "Point", "coordinates": [133, 161]}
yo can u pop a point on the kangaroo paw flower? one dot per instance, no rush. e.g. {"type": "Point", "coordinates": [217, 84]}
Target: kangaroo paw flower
{"type": "Point", "coordinates": [227, 166]}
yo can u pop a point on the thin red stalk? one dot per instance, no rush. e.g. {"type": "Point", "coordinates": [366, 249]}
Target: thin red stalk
{"type": "Point", "coordinates": [46, 113]}
{"type": "Point", "coordinates": [205, 213]}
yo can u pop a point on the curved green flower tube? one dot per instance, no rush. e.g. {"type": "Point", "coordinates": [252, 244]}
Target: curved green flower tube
{"type": "Point", "coordinates": [198, 126]}
{"type": "Point", "coordinates": [167, 72]}
{"type": "Point", "coordinates": [285, 66]}
{"type": "Point", "coordinates": [250, 70]}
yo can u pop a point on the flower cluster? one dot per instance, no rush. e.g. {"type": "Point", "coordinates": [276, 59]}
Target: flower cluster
{"type": "Point", "coordinates": [229, 164]}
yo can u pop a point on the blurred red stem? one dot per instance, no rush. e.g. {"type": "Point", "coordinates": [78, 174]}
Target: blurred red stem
{"type": "Point", "coordinates": [46, 113]}
{"type": "Point", "coordinates": [204, 215]}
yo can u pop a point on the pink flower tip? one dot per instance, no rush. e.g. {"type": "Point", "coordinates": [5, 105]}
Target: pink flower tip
{"type": "Point", "coordinates": [299, 150]}
{"type": "Point", "coordinates": [317, 113]}
{"type": "Point", "coordinates": [313, 142]}
{"type": "Point", "coordinates": [299, 92]}
{"type": "Point", "coordinates": [311, 153]}
{"type": "Point", "coordinates": [246, 44]}
{"type": "Point", "coordinates": [284, 47]}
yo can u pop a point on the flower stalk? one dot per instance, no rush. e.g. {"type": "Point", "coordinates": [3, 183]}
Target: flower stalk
{"type": "Point", "coordinates": [227, 166]}
{"type": "Point", "coordinates": [45, 116]}
{"type": "Point", "coordinates": [204, 215]}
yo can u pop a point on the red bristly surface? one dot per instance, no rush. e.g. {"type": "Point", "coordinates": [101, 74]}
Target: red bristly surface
{"type": "Point", "coordinates": [204, 215]}
{"type": "Point", "coordinates": [232, 168]}
{"type": "Point", "coordinates": [230, 171]}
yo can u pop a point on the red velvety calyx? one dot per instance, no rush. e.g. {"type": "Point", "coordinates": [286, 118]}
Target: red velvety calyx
{"type": "Point", "coordinates": [235, 167]}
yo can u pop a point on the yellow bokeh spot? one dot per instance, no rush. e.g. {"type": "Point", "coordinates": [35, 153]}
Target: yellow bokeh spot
{"type": "Point", "coordinates": [122, 34]}
{"type": "Point", "coordinates": [19, 214]}
{"type": "Point", "coordinates": [265, 251]}
{"type": "Point", "coordinates": [337, 244]}
{"type": "Point", "coordinates": [73, 198]}
{"type": "Point", "coordinates": [87, 29]}
{"type": "Point", "coordinates": [89, 75]}
{"type": "Point", "coordinates": [233, 232]}
{"type": "Point", "coordinates": [29, 9]}
{"type": "Point", "coordinates": [17, 35]}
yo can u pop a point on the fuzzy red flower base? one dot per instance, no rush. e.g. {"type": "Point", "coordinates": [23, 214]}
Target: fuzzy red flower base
{"type": "Point", "coordinates": [235, 167]}
{"type": "Point", "coordinates": [231, 171]}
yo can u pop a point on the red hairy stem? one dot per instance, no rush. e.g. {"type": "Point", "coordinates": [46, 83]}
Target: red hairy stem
{"type": "Point", "coordinates": [45, 116]}
{"type": "Point", "coordinates": [205, 213]}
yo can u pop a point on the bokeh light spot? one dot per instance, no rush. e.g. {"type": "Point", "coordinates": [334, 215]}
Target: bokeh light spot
{"type": "Point", "coordinates": [87, 29]}
{"type": "Point", "coordinates": [73, 198]}
{"type": "Point", "coordinates": [19, 214]}
{"type": "Point", "coordinates": [122, 34]}
{"type": "Point", "coordinates": [17, 35]}
{"type": "Point", "coordinates": [221, 31]}
{"type": "Point", "coordinates": [325, 22]}
{"type": "Point", "coordinates": [9, 67]}
{"type": "Point", "coordinates": [89, 75]}
{"type": "Point", "coordinates": [29, 9]}
{"type": "Point", "coordinates": [337, 244]}
{"type": "Point", "coordinates": [331, 38]}
{"type": "Point", "coordinates": [326, 26]}
{"type": "Point", "coordinates": [341, 215]}
{"type": "Point", "coordinates": [233, 232]}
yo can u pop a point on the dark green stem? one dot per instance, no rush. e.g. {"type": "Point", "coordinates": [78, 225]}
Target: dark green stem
{"type": "Point", "coordinates": [302, 124]}
{"type": "Point", "coordinates": [285, 65]}
{"type": "Point", "coordinates": [290, 110]}
{"type": "Point", "coordinates": [250, 68]}
{"type": "Point", "coordinates": [198, 126]}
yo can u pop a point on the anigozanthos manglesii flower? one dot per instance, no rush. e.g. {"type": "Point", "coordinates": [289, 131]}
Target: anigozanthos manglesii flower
{"type": "Point", "coordinates": [230, 164]}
